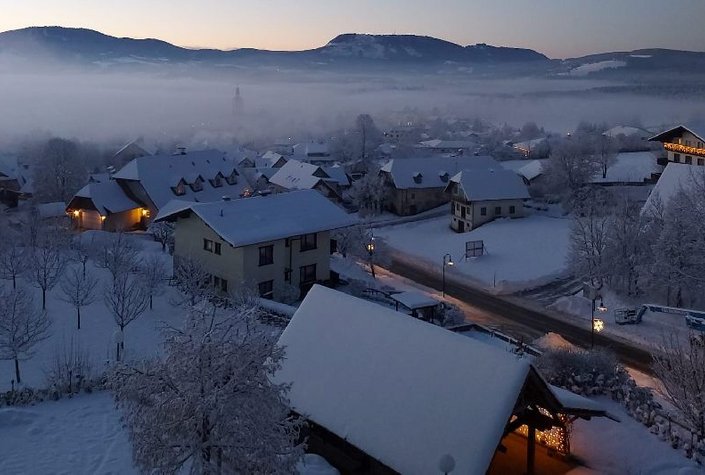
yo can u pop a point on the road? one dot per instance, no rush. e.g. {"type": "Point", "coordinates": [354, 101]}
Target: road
{"type": "Point", "coordinates": [515, 319]}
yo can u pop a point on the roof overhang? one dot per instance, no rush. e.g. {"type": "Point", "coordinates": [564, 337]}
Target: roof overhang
{"type": "Point", "coordinates": [667, 134]}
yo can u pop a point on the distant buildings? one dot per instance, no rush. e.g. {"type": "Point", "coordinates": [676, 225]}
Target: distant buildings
{"type": "Point", "coordinates": [269, 242]}
{"type": "Point", "coordinates": [683, 144]}
{"type": "Point", "coordinates": [312, 152]}
{"type": "Point", "coordinates": [482, 195]}
{"type": "Point", "coordinates": [414, 185]}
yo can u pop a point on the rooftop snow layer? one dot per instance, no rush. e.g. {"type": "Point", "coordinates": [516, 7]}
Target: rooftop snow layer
{"type": "Point", "coordinates": [107, 197]}
{"type": "Point", "coordinates": [491, 184]}
{"type": "Point", "coordinates": [296, 175]}
{"type": "Point", "coordinates": [265, 218]}
{"type": "Point", "coordinates": [402, 171]}
{"type": "Point", "coordinates": [632, 167]}
{"type": "Point", "coordinates": [676, 176]}
{"type": "Point", "coordinates": [404, 391]}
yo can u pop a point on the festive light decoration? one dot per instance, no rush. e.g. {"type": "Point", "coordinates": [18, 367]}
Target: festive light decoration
{"type": "Point", "coordinates": [598, 324]}
{"type": "Point", "coordinates": [676, 147]}
{"type": "Point", "coordinates": [556, 438]}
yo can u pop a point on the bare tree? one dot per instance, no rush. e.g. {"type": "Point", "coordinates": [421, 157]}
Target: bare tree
{"type": "Point", "coordinates": [570, 166]}
{"type": "Point", "coordinates": [153, 276]}
{"type": "Point", "coordinates": [22, 326]}
{"type": "Point", "coordinates": [210, 403]}
{"type": "Point", "coordinates": [605, 152]}
{"type": "Point", "coordinates": [369, 193]}
{"type": "Point", "coordinates": [48, 260]}
{"type": "Point", "coordinates": [359, 243]}
{"type": "Point", "coordinates": [625, 247]}
{"type": "Point", "coordinates": [82, 250]}
{"type": "Point", "coordinates": [58, 170]}
{"type": "Point", "coordinates": [118, 255]}
{"type": "Point", "coordinates": [126, 300]}
{"type": "Point", "coordinates": [13, 261]}
{"type": "Point", "coordinates": [79, 289]}
{"type": "Point", "coordinates": [70, 367]}
{"type": "Point", "coordinates": [193, 282]}
{"type": "Point", "coordinates": [368, 134]}
{"type": "Point", "coordinates": [588, 241]}
{"type": "Point", "coordinates": [163, 233]}
{"type": "Point", "coordinates": [681, 368]}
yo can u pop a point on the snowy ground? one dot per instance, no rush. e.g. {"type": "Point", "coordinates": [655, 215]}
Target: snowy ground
{"type": "Point", "coordinates": [81, 435]}
{"type": "Point", "coordinates": [97, 334]}
{"type": "Point", "coordinates": [520, 253]}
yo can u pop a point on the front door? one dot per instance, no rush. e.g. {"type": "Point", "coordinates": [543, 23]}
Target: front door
{"type": "Point", "coordinates": [461, 226]}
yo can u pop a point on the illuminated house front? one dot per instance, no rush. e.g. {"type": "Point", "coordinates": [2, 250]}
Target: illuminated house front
{"type": "Point", "coordinates": [683, 144]}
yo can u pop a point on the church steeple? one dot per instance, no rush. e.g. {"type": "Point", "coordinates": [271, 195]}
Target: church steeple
{"type": "Point", "coordinates": [238, 104]}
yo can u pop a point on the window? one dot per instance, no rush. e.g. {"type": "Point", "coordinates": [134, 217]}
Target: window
{"type": "Point", "coordinates": [224, 285]}
{"type": "Point", "coordinates": [687, 143]}
{"type": "Point", "coordinates": [179, 189]}
{"type": "Point", "coordinates": [688, 159]}
{"type": "Point", "coordinates": [676, 157]}
{"type": "Point", "coordinates": [307, 274]}
{"type": "Point", "coordinates": [413, 196]}
{"type": "Point", "coordinates": [232, 178]}
{"type": "Point", "coordinates": [266, 289]}
{"type": "Point", "coordinates": [309, 241]}
{"type": "Point", "coordinates": [266, 255]}
{"type": "Point", "coordinates": [483, 211]}
{"type": "Point", "coordinates": [217, 182]}
{"type": "Point", "coordinates": [512, 209]}
{"type": "Point", "coordinates": [497, 210]}
{"type": "Point", "coordinates": [207, 245]}
{"type": "Point", "coordinates": [217, 248]}
{"type": "Point", "coordinates": [197, 185]}
{"type": "Point", "coordinates": [701, 161]}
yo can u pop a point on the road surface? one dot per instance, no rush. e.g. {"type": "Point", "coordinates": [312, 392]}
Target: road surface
{"type": "Point", "coordinates": [514, 319]}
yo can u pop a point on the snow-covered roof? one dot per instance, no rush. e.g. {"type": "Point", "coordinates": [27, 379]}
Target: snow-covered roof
{"type": "Point", "coordinates": [158, 174]}
{"type": "Point", "coordinates": [337, 174]}
{"type": "Point", "coordinates": [528, 169]}
{"type": "Point", "coordinates": [529, 144]}
{"type": "Point", "coordinates": [491, 184]}
{"type": "Point", "coordinates": [56, 209]}
{"type": "Point", "coordinates": [631, 167]}
{"type": "Point", "coordinates": [107, 197]}
{"type": "Point", "coordinates": [297, 175]}
{"type": "Point", "coordinates": [675, 176]}
{"type": "Point", "coordinates": [627, 131]}
{"type": "Point", "coordinates": [404, 391]}
{"type": "Point", "coordinates": [311, 148]}
{"type": "Point", "coordinates": [265, 218]}
{"type": "Point", "coordinates": [448, 144]}
{"type": "Point", "coordinates": [137, 146]}
{"type": "Point", "coordinates": [694, 128]}
{"type": "Point", "coordinates": [432, 170]}
{"type": "Point", "coordinates": [414, 300]}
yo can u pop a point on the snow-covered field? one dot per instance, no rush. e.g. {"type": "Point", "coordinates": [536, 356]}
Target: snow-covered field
{"type": "Point", "coordinates": [520, 253]}
{"type": "Point", "coordinates": [81, 435]}
{"type": "Point", "coordinates": [97, 334]}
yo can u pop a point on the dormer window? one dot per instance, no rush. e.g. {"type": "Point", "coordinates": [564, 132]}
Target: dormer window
{"type": "Point", "coordinates": [444, 176]}
{"type": "Point", "coordinates": [180, 188]}
{"type": "Point", "coordinates": [232, 178]}
{"type": "Point", "coordinates": [197, 184]}
{"type": "Point", "coordinates": [418, 177]}
{"type": "Point", "coordinates": [217, 181]}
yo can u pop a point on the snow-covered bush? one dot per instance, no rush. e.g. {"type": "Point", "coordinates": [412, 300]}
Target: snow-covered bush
{"type": "Point", "coordinates": [451, 315]}
{"type": "Point", "coordinates": [70, 369]}
{"type": "Point", "coordinates": [583, 372]}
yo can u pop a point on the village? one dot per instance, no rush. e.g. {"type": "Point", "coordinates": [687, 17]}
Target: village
{"type": "Point", "coordinates": [512, 291]}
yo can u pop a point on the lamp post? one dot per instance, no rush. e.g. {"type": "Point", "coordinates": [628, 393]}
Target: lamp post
{"type": "Point", "coordinates": [597, 324]}
{"type": "Point", "coordinates": [371, 252]}
{"type": "Point", "coordinates": [447, 261]}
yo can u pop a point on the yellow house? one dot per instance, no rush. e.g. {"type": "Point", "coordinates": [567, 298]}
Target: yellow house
{"type": "Point", "coordinates": [269, 242]}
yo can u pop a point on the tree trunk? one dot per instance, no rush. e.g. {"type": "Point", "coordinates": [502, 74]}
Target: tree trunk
{"type": "Point", "coordinates": [78, 313]}
{"type": "Point", "coordinates": [150, 301]}
{"type": "Point", "coordinates": [14, 281]}
{"type": "Point", "coordinates": [44, 299]}
{"type": "Point", "coordinates": [17, 370]}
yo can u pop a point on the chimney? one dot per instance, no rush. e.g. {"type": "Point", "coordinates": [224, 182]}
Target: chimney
{"type": "Point", "coordinates": [181, 150]}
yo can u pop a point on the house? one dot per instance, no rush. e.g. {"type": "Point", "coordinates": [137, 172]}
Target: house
{"type": "Point", "coordinates": [387, 393]}
{"type": "Point", "coordinates": [266, 241]}
{"type": "Point", "coordinates": [536, 148]}
{"type": "Point", "coordinates": [481, 195]}
{"type": "Point", "coordinates": [312, 152]}
{"type": "Point", "coordinates": [267, 160]}
{"type": "Point", "coordinates": [675, 177]}
{"type": "Point", "coordinates": [529, 170]}
{"type": "Point", "coordinates": [627, 131]}
{"type": "Point", "coordinates": [136, 193]}
{"type": "Point", "coordinates": [15, 180]}
{"type": "Point", "coordinates": [414, 185]}
{"type": "Point", "coordinates": [459, 147]}
{"type": "Point", "coordinates": [297, 175]}
{"type": "Point", "coordinates": [683, 144]}
{"type": "Point", "coordinates": [131, 150]}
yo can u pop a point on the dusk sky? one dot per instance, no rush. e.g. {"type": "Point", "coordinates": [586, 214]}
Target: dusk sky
{"type": "Point", "coordinates": [557, 28]}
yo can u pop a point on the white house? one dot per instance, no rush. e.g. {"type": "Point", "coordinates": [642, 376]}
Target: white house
{"type": "Point", "coordinates": [482, 195]}
{"type": "Point", "coordinates": [268, 242]}
{"type": "Point", "coordinates": [385, 392]}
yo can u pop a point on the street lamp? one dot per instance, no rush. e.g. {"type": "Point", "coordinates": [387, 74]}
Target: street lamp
{"type": "Point", "coordinates": [370, 251]}
{"type": "Point", "coordinates": [597, 324]}
{"type": "Point", "coordinates": [447, 261]}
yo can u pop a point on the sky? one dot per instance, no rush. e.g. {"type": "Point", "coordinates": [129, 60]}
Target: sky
{"type": "Point", "coordinates": [557, 28]}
